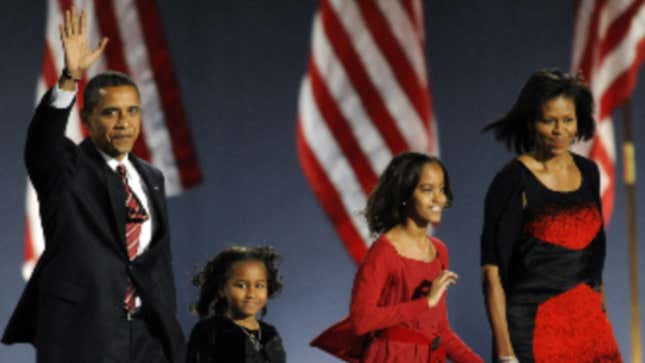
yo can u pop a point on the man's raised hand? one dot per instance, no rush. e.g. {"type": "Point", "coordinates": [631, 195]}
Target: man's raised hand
{"type": "Point", "coordinates": [79, 56]}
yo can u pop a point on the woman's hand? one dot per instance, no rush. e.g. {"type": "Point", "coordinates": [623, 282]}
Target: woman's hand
{"type": "Point", "coordinates": [439, 286]}
{"type": "Point", "coordinates": [495, 298]}
{"type": "Point", "coordinates": [507, 359]}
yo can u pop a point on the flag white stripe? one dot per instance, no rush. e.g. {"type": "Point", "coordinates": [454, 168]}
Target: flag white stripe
{"type": "Point", "coordinates": [611, 11]}
{"type": "Point", "coordinates": [94, 37]}
{"type": "Point", "coordinates": [404, 31]}
{"type": "Point", "coordinates": [156, 134]}
{"type": "Point", "coordinates": [379, 70]}
{"type": "Point", "coordinates": [580, 35]}
{"type": "Point", "coordinates": [331, 159]}
{"type": "Point", "coordinates": [348, 101]}
{"type": "Point", "coordinates": [621, 58]}
{"type": "Point", "coordinates": [418, 11]}
{"type": "Point", "coordinates": [35, 228]}
{"type": "Point", "coordinates": [434, 141]}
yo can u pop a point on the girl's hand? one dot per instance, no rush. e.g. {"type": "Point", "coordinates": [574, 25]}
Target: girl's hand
{"type": "Point", "coordinates": [439, 286]}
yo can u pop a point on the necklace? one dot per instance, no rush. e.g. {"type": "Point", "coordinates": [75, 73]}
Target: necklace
{"type": "Point", "coordinates": [256, 342]}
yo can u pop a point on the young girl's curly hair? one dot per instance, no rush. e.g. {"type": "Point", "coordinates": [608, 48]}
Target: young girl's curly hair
{"type": "Point", "coordinates": [211, 279]}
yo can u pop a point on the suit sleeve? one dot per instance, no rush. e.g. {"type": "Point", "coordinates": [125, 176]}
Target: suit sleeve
{"type": "Point", "coordinates": [365, 313]}
{"type": "Point", "coordinates": [49, 155]}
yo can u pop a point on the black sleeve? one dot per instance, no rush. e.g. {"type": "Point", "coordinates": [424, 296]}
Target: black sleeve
{"type": "Point", "coordinates": [274, 350]}
{"type": "Point", "coordinates": [198, 350]}
{"type": "Point", "coordinates": [600, 242]}
{"type": "Point", "coordinates": [502, 219]}
{"type": "Point", "coordinates": [49, 155]}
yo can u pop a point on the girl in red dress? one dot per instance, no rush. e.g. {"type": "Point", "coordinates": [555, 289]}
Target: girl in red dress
{"type": "Point", "coordinates": [398, 309]}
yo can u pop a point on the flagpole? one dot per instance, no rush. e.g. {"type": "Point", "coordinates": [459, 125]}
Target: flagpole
{"type": "Point", "coordinates": [629, 176]}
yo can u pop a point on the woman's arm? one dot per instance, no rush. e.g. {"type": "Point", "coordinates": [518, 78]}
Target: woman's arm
{"type": "Point", "coordinates": [496, 309]}
{"type": "Point", "coordinates": [503, 211]}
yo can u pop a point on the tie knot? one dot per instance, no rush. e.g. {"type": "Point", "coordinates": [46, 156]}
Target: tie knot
{"type": "Point", "coordinates": [121, 170]}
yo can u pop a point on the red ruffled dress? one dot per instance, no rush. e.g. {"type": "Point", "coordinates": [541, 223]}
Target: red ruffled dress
{"type": "Point", "coordinates": [390, 320]}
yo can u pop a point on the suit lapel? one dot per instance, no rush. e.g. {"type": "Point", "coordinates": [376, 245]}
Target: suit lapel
{"type": "Point", "coordinates": [115, 191]}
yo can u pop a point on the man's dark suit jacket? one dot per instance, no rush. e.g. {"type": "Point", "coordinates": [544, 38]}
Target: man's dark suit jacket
{"type": "Point", "coordinates": [74, 299]}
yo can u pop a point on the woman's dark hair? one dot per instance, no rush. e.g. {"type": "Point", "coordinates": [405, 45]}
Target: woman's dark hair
{"type": "Point", "coordinates": [212, 278]}
{"type": "Point", "coordinates": [385, 207]}
{"type": "Point", "coordinates": [517, 128]}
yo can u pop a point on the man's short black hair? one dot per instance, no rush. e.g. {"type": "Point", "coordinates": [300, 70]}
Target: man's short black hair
{"type": "Point", "coordinates": [92, 93]}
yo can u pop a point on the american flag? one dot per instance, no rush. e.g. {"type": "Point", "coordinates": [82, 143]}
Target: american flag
{"type": "Point", "coordinates": [137, 47]}
{"type": "Point", "coordinates": [608, 50]}
{"type": "Point", "coordinates": [365, 98]}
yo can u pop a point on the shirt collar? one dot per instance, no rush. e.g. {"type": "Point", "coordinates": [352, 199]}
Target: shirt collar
{"type": "Point", "coordinates": [131, 172]}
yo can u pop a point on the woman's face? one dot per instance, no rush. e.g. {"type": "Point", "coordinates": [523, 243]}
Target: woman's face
{"type": "Point", "coordinates": [429, 197]}
{"type": "Point", "coordinates": [557, 129]}
{"type": "Point", "coordinates": [246, 290]}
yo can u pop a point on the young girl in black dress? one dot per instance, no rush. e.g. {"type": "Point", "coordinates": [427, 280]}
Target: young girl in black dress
{"type": "Point", "coordinates": [233, 289]}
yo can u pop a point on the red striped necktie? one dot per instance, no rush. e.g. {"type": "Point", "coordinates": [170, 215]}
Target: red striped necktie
{"type": "Point", "coordinates": [136, 215]}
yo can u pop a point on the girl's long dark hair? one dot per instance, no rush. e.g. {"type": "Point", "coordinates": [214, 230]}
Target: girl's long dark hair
{"type": "Point", "coordinates": [385, 207]}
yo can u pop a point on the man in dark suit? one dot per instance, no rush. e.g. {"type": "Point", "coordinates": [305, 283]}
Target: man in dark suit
{"type": "Point", "coordinates": [103, 290]}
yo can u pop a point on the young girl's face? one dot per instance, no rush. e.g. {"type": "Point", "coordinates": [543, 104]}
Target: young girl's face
{"type": "Point", "coordinates": [246, 289]}
{"type": "Point", "coordinates": [429, 197]}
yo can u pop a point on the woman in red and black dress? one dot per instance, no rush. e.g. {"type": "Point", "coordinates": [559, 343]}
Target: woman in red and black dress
{"type": "Point", "coordinates": [543, 242]}
{"type": "Point", "coordinates": [398, 309]}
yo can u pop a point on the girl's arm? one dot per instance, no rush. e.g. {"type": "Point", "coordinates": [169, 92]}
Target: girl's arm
{"type": "Point", "coordinates": [372, 277]}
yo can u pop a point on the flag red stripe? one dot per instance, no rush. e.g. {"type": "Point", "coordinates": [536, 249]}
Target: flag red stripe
{"type": "Point", "coordinates": [339, 127]}
{"type": "Point", "coordinates": [64, 5]}
{"type": "Point", "coordinates": [30, 253]}
{"type": "Point", "coordinates": [329, 199]}
{"type": "Point", "coordinates": [370, 97]}
{"type": "Point", "coordinates": [592, 37]}
{"type": "Point", "coordinates": [169, 93]}
{"type": "Point", "coordinates": [396, 57]}
{"type": "Point", "coordinates": [623, 86]}
{"type": "Point", "coordinates": [409, 9]}
{"type": "Point", "coordinates": [618, 30]}
{"type": "Point", "coordinates": [116, 58]}
{"type": "Point", "coordinates": [415, 19]}
{"type": "Point", "coordinates": [50, 75]}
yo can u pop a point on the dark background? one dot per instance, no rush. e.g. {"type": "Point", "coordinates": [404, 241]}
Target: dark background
{"type": "Point", "coordinates": [239, 65]}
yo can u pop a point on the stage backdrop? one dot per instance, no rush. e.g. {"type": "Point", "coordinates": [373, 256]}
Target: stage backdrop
{"type": "Point", "coordinates": [239, 65]}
